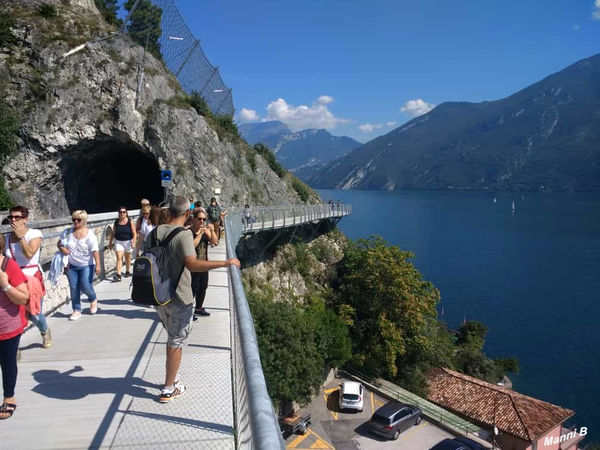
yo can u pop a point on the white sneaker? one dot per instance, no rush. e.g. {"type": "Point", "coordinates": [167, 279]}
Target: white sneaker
{"type": "Point", "coordinates": [76, 315]}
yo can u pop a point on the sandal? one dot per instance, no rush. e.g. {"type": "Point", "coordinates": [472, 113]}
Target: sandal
{"type": "Point", "coordinates": [94, 307]}
{"type": "Point", "coordinates": [7, 408]}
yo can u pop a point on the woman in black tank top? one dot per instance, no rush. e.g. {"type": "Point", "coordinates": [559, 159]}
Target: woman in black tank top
{"type": "Point", "coordinates": [124, 236]}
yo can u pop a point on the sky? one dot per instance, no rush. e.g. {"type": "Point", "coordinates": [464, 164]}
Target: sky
{"type": "Point", "coordinates": [362, 68]}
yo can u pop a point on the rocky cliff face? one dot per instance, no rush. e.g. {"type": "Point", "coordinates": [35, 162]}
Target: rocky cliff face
{"type": "Point", "coordinates": [84, 140]}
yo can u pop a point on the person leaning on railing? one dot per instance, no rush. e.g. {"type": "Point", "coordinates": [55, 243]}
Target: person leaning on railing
{"type": "Point", "coordinates": [81, 244]}
{"type": "Point", "coordinates": [13, 296]}
{"type": "Point", "coordinates": [24, 246]}
{"type": "Point", "coordinates": [176, 315]}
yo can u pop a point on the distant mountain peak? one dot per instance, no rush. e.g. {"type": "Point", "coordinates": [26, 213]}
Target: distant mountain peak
{"type": "Point", "coordinates": [543, 137]}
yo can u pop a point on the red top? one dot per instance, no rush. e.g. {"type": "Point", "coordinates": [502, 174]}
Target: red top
{"type": "Point", "coordinates": [12, 317]}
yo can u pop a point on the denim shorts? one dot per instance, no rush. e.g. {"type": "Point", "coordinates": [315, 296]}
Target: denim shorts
{"type": "Point", "coordinates": [177, 320]}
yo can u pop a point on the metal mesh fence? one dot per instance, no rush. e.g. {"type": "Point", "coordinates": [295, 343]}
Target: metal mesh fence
{"type": "Point", "coordinates": [184, 57]}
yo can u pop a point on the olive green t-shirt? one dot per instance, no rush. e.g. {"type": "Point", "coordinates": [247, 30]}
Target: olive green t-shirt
{"type": "Point", "coordinates": [181, 246]}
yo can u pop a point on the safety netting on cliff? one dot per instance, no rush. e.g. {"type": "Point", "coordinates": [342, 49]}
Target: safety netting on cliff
{"type": "Point", "coordinates": [184, 57]}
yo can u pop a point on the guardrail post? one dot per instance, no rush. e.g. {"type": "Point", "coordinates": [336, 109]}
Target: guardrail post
{"type": "Point", "coordinates": [273, 217]}
{"type": "Point", "coordinates": [294, 215]}
{"type": "Point", "coordinates": [102, 246]}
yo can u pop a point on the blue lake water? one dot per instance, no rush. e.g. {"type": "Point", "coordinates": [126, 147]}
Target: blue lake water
{"type": "Point", "coordinates": [532, 276]}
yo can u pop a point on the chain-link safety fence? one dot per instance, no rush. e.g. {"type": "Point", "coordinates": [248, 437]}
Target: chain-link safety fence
{"type": "Point", "coordinates": [184, 57]}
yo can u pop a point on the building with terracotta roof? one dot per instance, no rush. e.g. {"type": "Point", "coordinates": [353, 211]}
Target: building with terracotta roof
{"type": "Point", "coordinates": [523, 423]}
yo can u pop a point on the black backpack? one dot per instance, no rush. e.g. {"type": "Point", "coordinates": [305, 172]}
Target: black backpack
{"type": "Point", "coordinates": [151, 280]}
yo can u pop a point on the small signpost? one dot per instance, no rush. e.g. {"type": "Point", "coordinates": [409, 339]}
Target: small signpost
{"type": "Point", "coordinates": [166, 180]}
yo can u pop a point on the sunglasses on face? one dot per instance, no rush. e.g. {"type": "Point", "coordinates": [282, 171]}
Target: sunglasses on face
{"type": "Point", "coordinates": [122, 212]}
{"type": "Point", "coordinates": [76, 220]}
{"type": "Point", "coordinates": [15, 217]}
{"type": "Point", "coordinates": [200, 218]}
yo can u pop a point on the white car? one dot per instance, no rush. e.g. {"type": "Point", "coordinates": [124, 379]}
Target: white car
{"type": "Point", "coordinates": [351, 395]}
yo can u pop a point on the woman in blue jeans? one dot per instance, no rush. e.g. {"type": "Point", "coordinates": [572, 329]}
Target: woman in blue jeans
{"type": "Point", "coordinates": [24, 246]}
{"type": "Point", "coordinates": [81, 244]}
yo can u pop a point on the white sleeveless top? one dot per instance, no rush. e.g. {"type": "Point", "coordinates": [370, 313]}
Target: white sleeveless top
{"type": "Point", "coordinates": [29, 266]}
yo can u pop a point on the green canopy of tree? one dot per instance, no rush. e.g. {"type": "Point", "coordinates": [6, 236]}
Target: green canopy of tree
{"type": "Point", "coordinates": [144, 25]}
{"type": "Point", "coordinates": [297, 343]}
{"type": "Point", "coordinates": [389, 303]}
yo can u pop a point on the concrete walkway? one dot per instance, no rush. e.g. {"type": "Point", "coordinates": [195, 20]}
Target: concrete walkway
{"type": "Point", "coordinates": [97, 387]}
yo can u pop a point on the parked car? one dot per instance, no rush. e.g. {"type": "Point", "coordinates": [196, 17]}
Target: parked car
{"type": "Point", "coordinates": [393, 418]}
{"type": "Point", "coordinates": [459, 443]}
{"type": "Point", "coordinates": [351, 395]}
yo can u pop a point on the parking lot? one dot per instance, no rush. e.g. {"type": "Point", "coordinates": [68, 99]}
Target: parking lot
{"type": "Point", "coordinates": [332, 428]}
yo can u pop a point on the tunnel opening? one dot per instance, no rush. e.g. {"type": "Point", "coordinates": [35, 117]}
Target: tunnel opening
{"type": "Point", "coordinates": [101, 176]}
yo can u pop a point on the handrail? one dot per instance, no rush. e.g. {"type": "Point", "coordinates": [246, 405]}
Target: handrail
{"type": "Point", "coordinates": [258, 426]}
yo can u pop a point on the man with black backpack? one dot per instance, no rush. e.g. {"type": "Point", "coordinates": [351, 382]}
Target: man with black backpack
{"type": "Point", "coordinates": [177, 314]}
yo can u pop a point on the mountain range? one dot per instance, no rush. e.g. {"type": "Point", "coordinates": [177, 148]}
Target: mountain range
{"type": "Point", "coordinates": [545, 137]}
{"type": "Point", "coordinates": [302, 152]}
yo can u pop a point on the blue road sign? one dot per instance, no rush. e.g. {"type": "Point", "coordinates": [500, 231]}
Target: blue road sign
{"type": "Point", "coordinates": [165, 175]}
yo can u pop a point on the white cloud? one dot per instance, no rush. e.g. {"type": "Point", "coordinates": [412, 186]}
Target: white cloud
{"type": "Point", "coordinates": [324, 100]}
{"type": "Point", "coordinates": [417, 107]}
{"type": "Point", "coordinates": [596, 12]}
{"type": "Point", "coordinates": [370, 127]}
{"type": "Point", "coordinates": [247, 115]}
{"type": "Point", "coordinates": [303, 116]}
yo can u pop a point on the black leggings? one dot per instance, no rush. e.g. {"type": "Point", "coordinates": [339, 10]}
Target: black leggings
{"type": "Point", "coordinates": [199, 285]}
{"type": "Point", "coordinates": [8, 364]}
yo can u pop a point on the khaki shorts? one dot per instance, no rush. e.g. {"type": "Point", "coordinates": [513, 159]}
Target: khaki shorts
{"type": "Point", "coordinates": [177, 320]}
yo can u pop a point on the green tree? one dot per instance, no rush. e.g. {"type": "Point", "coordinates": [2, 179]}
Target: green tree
{"type": "Point", "coordinates": [109, 9]}
{"type": "Point", "coordinates": [292, 363]}
{"type": "Point", "coordinates": [390, 302]}
{"type": "Point", "coordinates": [144, 25]}
{"type": "Point", "coordinates": [269, 157]}
{"type": "Point", "coordinates": [472, 334]}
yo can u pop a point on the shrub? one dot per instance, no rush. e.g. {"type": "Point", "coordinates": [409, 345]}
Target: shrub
{"type": "Point", "coordinates": [199, 104]}
{"type": "Point", "coordinates": [144, 26]}
{"type": "Point", "coordinates": [269, 157]}
{"type": "Point", "coordinates": [9, 127]}
{"type": "Point", "coordinates": [47, 11]}
{"type": "Point", "coordinates": [301, 189]}
{"type": "Point", "coordinates": [109, 9]}
{"type": "Point", "coordinates": [6, 37]}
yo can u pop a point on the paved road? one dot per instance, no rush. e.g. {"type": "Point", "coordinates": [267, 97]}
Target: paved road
{"type": "Point", "coordinates": [331, 428]}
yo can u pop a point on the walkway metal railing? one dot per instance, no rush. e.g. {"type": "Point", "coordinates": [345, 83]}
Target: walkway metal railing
{"type": "Point", "coordinates": [256, 422]}
{"type": "Point", "coordinates": [100, 223]}
{"type": "Point", "coordinates": [273, 217]}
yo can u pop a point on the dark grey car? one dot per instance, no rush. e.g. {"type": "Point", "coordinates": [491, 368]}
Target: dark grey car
{"type": "Point", "coordinates": [393, 418]}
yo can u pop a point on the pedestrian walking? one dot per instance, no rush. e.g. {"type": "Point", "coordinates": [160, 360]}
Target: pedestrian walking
{"type": "Point", "coordinates": [123, 236]}
{"type": "Point", "coordinates": [215, 216]}
{"type": "Point", "coordinates": [143, 227]}
{"type": "Point", "coordinates": [81, 244]}
{"type": "Point", "coordinates": [13, 297]}
{"type": "Point", "coordinates": [24, 246]}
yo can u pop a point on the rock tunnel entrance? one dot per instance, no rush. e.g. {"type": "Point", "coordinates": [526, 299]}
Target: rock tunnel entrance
{"type": "Point", "coordinates": [101, 176]}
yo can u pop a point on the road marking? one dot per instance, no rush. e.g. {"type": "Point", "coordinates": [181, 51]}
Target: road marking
{"type": "Point", "coordinates": [372, 403]}
{"type": "Point", "coordinates": [326, 394]}
{"type": "Point", "coordinates": [413, 429]}
{"type": "Point", "coordinates": [297, 441]}
{"type": "Point", "coordinates": [320, 444]}
{"type": "Point", "coordinates": [319, 438]}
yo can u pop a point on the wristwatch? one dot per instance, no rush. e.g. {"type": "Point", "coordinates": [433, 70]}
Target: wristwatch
{"type": "Point", "coordinates": [6, 288]}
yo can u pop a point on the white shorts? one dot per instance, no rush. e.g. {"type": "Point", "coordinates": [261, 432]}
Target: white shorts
{"type": "Point", "coordinates": [123, 246]}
